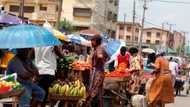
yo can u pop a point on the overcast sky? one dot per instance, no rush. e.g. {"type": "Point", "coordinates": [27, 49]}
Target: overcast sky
{"type": "Point", "coordinates": [177, 14]}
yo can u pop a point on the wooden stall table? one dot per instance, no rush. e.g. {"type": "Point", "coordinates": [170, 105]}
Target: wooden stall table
{"type": "Point", "coordinates": [67, 100]}
{"type": "Point", "coordinates": [15, 95]}
{"type": "Point", "coordinates": [118, 86]}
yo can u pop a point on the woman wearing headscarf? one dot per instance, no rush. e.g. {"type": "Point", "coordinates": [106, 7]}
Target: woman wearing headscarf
{"type": "Point", "coordinates": [161, 89]}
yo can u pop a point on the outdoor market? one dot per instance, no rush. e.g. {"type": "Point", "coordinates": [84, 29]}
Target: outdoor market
{"type": "Point", "coordinates": [42, 66]}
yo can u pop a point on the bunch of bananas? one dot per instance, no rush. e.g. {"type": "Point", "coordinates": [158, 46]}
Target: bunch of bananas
{"type": "Point", "coordinates": [69, 89]}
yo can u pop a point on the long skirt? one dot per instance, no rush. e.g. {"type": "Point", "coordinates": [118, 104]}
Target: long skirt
{"type": "Point", "coordinates": [161, 90]}
{"type": "Point", "coordinates": [96, 89]}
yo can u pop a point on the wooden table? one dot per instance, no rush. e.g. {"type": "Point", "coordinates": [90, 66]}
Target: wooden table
{"type": "Point", "coordinates": [53, 98]}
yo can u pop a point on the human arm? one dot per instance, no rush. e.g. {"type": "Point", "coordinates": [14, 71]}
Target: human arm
{"type": "Point", "coordinates": [58, 51]}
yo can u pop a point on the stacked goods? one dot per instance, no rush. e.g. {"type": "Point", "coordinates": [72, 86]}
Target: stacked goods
{"type": "Point", "coordinates": [121, 67]}
{"type": "Point", "coordinates": [80, 65]}
{"type": "Point", "coordinates": [72, 89]}
{"type": "Point", "coordinates": [117, 74]}
{"type": "Point", "coordinates": [6, 86]}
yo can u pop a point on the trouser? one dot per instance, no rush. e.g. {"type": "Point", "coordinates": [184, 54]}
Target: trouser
{"type": "Point", "coordinates": [45, 81]}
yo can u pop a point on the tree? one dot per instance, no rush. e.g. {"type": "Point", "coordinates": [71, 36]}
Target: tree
{"type": "Point", "coordinates": [66, 26]}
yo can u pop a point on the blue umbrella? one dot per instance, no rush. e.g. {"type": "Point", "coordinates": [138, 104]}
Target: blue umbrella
{"type": "Point", "coordinates": [113, 48]}
{"type": "Point", "coordinates": [9, 19]}
{"type": "Point", "coordinates": [26, 36]}
{"type": "Point", "coordinates": [77, 39]}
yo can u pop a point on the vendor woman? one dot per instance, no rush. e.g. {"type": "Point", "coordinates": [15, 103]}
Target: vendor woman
{"type": "Point", "coordinates": [161, 90]}
{"type": "Point", "coordinates": [123, 57]}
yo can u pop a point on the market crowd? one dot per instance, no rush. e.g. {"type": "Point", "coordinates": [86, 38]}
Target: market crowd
{"type": "Point", "coordinates": [36, 70]}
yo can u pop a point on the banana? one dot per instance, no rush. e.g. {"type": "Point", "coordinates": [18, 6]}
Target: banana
{"type": "Point", "coordinates": [67, 90]}
{"type": "Point", "coordinates": [82, 91]}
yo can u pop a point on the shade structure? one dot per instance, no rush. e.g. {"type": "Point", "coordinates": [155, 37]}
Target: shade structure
{"type": "Point", "coordinates": [77, 39]}
{"type": "Point", "coordinates": [26, 36]}
{"type": "Point", "coordinates": [59, 35]}
{"type": "Point", "coordinates": [89, 33]}
{"type": "Point", "coordinates": [9, 19]}
{"type": "Point", "coordinates": [148, 50]}
{"type": "Point", "coordinates": [113, 48]}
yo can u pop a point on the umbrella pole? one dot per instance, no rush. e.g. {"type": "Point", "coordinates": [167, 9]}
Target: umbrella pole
{"type": "Point", "coordinates": [60, 2]}
{"type": "Point", "coordinates": [21, 13]}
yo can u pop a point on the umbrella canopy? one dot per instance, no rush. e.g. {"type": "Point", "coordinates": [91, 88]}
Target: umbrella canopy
{"type": "Point", "coordinates": [148, 50]}
{"type": "Point", "coordinates": [26, 36]}
{"type": "Point", "coordinates": [9, 19]}
{"type": "Point", "coordinates": [89, 33]}
{"type": "Point", "coordinates": [56, 33]}
{"type": "Point", "coordinates": [79, 40]}
{"type": "Point", "coordinates": [60, 35]}
{"type": "Point", "coordinates": [113, 48]}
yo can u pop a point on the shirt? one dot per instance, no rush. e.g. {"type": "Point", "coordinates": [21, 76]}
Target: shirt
{"type": "Point", "coordinates": [173, 66]}
{"type": "Point", "coordinates": [123, 59]}
{"type": "Point", "coordinates": [99, 58]}
{"type": "Point", "coordinates": [45, 60]}
{"type": "Point", "coordinates": [20, 67]}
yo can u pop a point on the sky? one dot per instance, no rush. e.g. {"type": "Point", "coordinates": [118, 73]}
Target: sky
{"type": "Point", "coordinates": [177, 14]}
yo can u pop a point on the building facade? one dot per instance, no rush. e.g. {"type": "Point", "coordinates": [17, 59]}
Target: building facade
{"type": "Point", "coordinates": [98, 14]}
{"type": "Point", "coordinates": [156, 37]}
{"type": "Point", "coordinates": [128, 32]}
{"type": "Point", "coordinates": [37, 11]}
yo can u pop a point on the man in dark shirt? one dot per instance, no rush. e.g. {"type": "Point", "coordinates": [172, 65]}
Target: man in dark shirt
{"type": "Point", "coordinates": [27, 73]}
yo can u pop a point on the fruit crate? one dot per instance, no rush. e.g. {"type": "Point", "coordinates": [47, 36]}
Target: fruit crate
{"type": "Point", "coordinates": [62, 97]}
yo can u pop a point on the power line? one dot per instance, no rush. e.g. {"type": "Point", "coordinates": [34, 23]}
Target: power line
{"type": "Point", "coordinates": [174, 2]}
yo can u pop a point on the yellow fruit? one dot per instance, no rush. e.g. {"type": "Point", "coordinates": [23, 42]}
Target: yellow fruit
{"type": "Point", "coordinates": [51, 90]}
{"type": "Point", "coordinates": [82, 91]}
{"type": "Point", "coordinates": [56, 88]}
{"type": "Point", "coordinates": [67, 90]}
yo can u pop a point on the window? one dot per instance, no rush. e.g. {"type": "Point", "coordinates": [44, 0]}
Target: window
{"type": "Point", "coordinates": [137, 30]}
{"type": "Point", "coordinates": [148, 41]}
{"type": "Point", "coordinates": [120, 36]}
{"type": "Point", "coordinates": [149, 34]}
{"type": "Point", "coordinates": [128, 37]}
{"type": "Point", "coordinates": [158, 34]}
{"type": "Point", "coordinates": [14, 8]}
{"type": "Point", "coordinates": [110, 1]}
{"type": "Point", "coordinates": [136, 38]}
{"type": "Point", "coordinates": [129, 28]}
{"type": "Point", "coordinates": [116, 2]}
{"type": "Point", "coordinates": [43, 8]}
{"type": "Point", "coordinates": [157, 42]}
{"type": "Point", "coordinates": [109, 17]}
{"type": "Point", "coordinates": [121, 27]}
{"type": "Point", "coordinates": [114, 17]}
{"type": "Point", "coordinates": [56, 8]}
{"type": "Point", "coordinates": [28, 9]}
{"type": "Point", "coordinates": [82, 12]}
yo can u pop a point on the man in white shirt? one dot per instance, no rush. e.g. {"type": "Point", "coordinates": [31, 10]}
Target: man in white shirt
{"type": "Point", "coordinates": [174, 67]}
{"type": "Point", "coordinates": [45, 59]}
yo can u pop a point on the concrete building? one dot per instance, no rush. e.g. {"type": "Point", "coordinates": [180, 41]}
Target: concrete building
{"type": "Point", "coordinates": [179, 39]}
{"type": "Point", "coordinates": [156, 36]}
{"type": "Point", "coordinates": [98, 14]}
{"type": "Point", "coordinates": [37, 11]}
{"type": "Point", "coordinates": [125, 31]}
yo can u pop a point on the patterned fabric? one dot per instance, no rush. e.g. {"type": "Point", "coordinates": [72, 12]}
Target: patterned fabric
{"type": "Point", "coordinates": [98, 61]}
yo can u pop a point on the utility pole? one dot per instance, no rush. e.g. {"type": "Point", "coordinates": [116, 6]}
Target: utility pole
{"type": "Point", "coordinates": [142, 28]}
{"type": "Point", "coordinates": [133, 26]}
{"type": "Point", "coordinates": [124, 20]}
{"type": "Point", "coordinates": [60, 3]}
{"type": "Point", "coordinates": [21, 11]}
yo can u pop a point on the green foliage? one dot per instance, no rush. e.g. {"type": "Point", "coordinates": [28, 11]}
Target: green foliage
{"type": "Point", "coordinates": [67, 26]}
{"type": "Point", "coordinates": [64, 63]}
